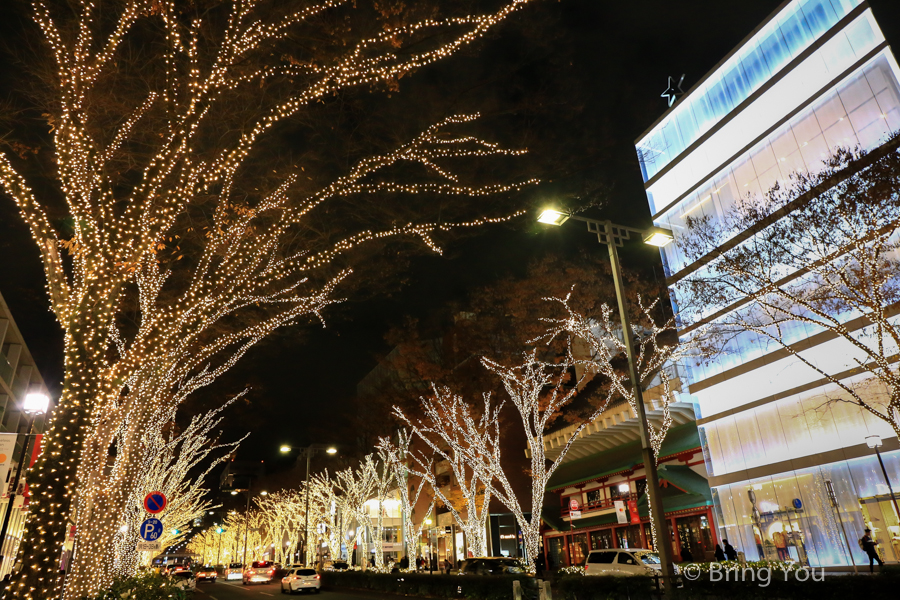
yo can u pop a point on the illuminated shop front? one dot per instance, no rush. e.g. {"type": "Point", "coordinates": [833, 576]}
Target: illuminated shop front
{"type": "Point", "coordinates": [589, 488]}
{"type": "Point", "coordinates": [791, 474]}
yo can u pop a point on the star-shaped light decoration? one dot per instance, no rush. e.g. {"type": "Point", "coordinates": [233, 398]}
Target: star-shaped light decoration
{"type": "Point", "coordinates": [673, 91]}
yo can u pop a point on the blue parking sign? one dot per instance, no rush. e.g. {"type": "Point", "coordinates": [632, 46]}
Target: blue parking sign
{"type": "Point", "coordinates": [151, 530]}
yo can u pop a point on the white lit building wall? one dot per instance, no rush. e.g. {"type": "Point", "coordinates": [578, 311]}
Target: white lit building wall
{"type": "Point", "coordinates": [817, 76]}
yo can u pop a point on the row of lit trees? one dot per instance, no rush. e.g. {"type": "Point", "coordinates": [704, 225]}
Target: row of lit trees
{"type": "Point", "coordinates": [180, 238]}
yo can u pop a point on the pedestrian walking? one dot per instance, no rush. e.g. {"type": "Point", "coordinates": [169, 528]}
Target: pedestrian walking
{"type": "Point", "coordinates": [719, 554]}
{"type": "Point", "coordinates": [730, 552]}
{"type": "Point", "coordinates": [686, 555]}
{"type": "Point", "coordinates": [871, 548]}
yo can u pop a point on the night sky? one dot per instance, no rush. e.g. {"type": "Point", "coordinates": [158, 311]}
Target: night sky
{"type": "Point", "coordinates": [612, 58]}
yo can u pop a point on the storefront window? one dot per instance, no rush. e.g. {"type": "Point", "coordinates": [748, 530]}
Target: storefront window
{"type": "Point", "coordinates": [629, 537]}
{"type": "Point", "coordinates": [695, 538]}
{"type": "Point", "coordinates": [595, 496]}
{"type": "Point", "coordinates": [556, 556]}
{"type": "Point", "coordinates": [578, 549]}
{"type": "Point", "coordinates": [601, 539]}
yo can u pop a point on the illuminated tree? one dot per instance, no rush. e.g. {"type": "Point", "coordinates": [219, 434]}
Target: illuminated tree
{"type": "Point", "coordinates": [172, 460]}
{"type": "Point", "coordinates": [398, 458]}
{"type": "Point", "coordinates": [540, 388]}
{"type": "Point", "coordinates": [283, 515]}
{"type": "Point", "coordinates": [184, 244]}
{"type": "Point", "coordinates": [453, 438]}
{"type": "Point", "coordinates": [812, 261]}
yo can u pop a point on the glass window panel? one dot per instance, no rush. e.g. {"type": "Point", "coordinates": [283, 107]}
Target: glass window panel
{"type": "Point", "coordinates": [768, 179]}
{"type": "Point", "coordinates": [751, 440]}
{"type": "Point", "coordinates": [829, 111]}
{"type": "Point", "coordinates": [796, 430]}
{"type": "Point", "coordinates": [673, 139]}
{"type": "Point", "coordinates": [814, 152]}
{"type": "Point", "coordinates": [876, 75]}
{"type": "Point", "coordinates": [795, 31]}
{"type": "Point", "coordinates": [718, 99]}
{"type": "Point", "coordinates": [864, 117]}
{"type": "Point", "coordinates": [687, 125]}
{"type": "Point", "coordinates": [855, 92]}
{"type": "Point", "coordinates": [819, 14]}
{"type": "Point", "coordinates": [731, 445]}
{"type": "Point", "coordinates": [841, 134]}
{"type": "Point", "coordinates": [736, 82]}
{"type": "Point", "coordinates": [763, 158]}
{"type": "Point", "coordinates": [806, 127]}
{"type": "Point", "coordinates": [755, 68]}
{"type": "Point", "coordinates": [775, 51]}
{"type": "Point", "coordinates": [861, 36]}
{"type": "Point", "coordinates": [784, 143]}
{"type": "Point", "coordinates": [792, 164]}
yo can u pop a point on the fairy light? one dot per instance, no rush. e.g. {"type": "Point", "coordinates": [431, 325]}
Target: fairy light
{"type": "Point", "coordinates": [119, 385]}
{"type": "Point", "coordinates": [398, 458]}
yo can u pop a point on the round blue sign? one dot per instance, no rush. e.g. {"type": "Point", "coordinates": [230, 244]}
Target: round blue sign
{"type": "Point", "coordinates": [155, 502]}
{"type": "Point", "coordinates": [151, 530]}
{"type": "Point", "coordinates": [797, 503]}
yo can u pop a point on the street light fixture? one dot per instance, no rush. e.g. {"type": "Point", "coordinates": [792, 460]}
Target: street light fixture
{"type": "Point", "coordinates": [34, 404]}
{"type": "Point", "coordinates": [874, 442]}
{"type": "Point", "coordinates": [612, 236]}
{"type": "Point", "coordinates": [309, 451]}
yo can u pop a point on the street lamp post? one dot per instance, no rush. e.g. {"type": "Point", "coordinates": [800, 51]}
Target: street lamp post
{"type": "Point", "coordinates": [35, 404]}
{"type": "Point", "coordinates": [309, 451]}
{"type": "Point", "coordinates": [612, 236]}
{"type": "Point", "coordinates": [874, 441]}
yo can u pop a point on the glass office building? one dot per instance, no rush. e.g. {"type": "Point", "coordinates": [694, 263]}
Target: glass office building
{"type": "Point", "coordinates": [817, 75]}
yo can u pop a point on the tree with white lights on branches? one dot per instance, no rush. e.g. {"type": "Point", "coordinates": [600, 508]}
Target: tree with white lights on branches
{"type": "Point", "coordinates": [397, 456]}
{"type": "Point", "coordinates": [172, 459]}
{"type": "Point", "coordinates": [540, 388]}
{"type": "Point", "coordinates": [186, 238]}
{"type": "Point", "coordinates": [453, 437]}
{"type": "Point", "coordinates": [283, 514]}
{"type": "Point", "coordinates": [810, 264]}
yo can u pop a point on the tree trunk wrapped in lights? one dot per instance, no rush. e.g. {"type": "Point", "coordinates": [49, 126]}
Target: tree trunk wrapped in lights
{"type": "Point", "coordinates": [815, 259]}
{"type": "Point", "coordinates": [283, 513]}
{"type": "Point", "coordinates": [187, 245]}
{"type": "Point", "coordinates": [453, 436]}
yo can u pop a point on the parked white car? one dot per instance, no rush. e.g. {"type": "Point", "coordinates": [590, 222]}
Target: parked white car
{"type": "Point", "coordinates": [299, 580]}
{"type": "Point", "coordinates": [624, 561]}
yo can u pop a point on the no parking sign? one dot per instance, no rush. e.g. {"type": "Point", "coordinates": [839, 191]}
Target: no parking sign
{"type": "Point", "coordinates": [155, 502]}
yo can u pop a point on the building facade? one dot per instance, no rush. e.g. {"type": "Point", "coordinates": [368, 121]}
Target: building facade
{"type": "Point", "coordinates": [18, 376]}
{"type": "Point", "coordinates": [817, 75]}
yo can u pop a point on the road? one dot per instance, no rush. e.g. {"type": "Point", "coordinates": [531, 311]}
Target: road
{"type": "Point", "coordinates": [234, 590]}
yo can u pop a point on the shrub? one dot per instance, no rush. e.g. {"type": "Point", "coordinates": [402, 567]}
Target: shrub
{"type": "Point", "coordinates": [142, 587]}
{"type": "Point", "coordinates": [603, 587]}
{"type": "Point", "coordinates": [472, 587]}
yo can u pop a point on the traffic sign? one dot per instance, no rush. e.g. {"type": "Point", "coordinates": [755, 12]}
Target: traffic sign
{"type": "Point", "coordinates": [155, 502]}
{"type": "Point", "coordinates": [149, 547]}
{"type": "Point", "coordinates": [574, 514]}
{"type": "Point", "coordinates": [151, 530]}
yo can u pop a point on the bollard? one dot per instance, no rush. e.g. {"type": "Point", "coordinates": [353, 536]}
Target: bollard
{"type": "Point", "coordinates": [517, 590]}
{"type": "Point", "coordinates": [540, 588]}
{"type": "Point", "coordinates": [547, 592]}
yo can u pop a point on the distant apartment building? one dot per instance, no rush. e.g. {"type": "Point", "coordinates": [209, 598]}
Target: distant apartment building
{"type": "Point", "coordinates": [18, 376]}
{"type": "Point", "coordinates": [815, 76]}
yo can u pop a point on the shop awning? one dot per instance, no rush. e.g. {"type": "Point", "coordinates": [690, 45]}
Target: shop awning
{"type": "Point", "coordinates": [624, 458]}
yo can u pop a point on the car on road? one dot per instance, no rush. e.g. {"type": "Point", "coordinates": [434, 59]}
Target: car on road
{"type": "Point", "coordinates": [624, 561]}
{"type": "Point", "coordinates": [206, 574]}
{"type": "Point", "coordinates": [259, 571]}
{"type": "Point", "coordinates": [300, 580]}
{"type": "Point", "coordinates": [490, 565]}
{"type": "Point", "coordinates": [337, 566]}
{"type": "Point", "coordinates": [184, 580]}
{"type": "Point", "coordinates": [234, 571]}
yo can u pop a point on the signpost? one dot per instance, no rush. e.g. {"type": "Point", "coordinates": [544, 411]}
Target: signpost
{"type": "Point", "coordinates": [149, 547]}
{"type": "Point", "coordinates": [155, 502]}
{"type": "Point", "coordinates": [151, 530]}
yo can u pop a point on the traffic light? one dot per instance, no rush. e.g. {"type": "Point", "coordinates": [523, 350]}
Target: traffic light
{"type": "Point", "coordinates": [176, 531]}
{"type": "Point", "coordinates": [220, 530]}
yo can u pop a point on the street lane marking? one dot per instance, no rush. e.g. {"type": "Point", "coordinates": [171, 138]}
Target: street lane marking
{"type": "Point", "coordinates": [265, 594]}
